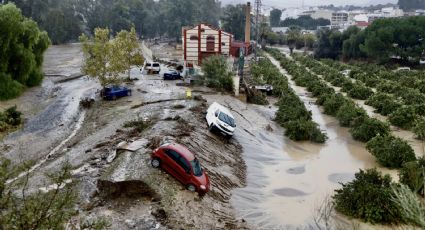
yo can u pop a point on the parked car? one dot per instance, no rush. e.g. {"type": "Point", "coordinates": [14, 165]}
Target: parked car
{"type": "Point", "coordinates": [268, 89]}
{"type": "Point", "coordinates": [219, 118]}
{"type": "Point", "coordinates": [114, 92]}
{"type": "Point", "coordinates": [152, 67]}
{"type": "Point", "coordinates": [180, 163]}
{"type": "Point", "coordinates": [172, 75]}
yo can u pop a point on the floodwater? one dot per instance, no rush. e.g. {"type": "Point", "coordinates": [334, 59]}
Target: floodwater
{"type": "Point", "coordinates": [286, 180]}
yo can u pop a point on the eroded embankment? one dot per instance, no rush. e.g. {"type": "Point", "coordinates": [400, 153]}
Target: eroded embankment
{"type": "Point", "coordinates": [127, 184]}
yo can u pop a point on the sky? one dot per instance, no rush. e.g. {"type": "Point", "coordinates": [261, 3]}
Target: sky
{"type": "Point", "coordinates": [298, 3]}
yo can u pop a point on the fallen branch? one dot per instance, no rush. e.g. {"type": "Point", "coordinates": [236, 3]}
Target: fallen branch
{"type": "Point", "coordinates": [155, 102]}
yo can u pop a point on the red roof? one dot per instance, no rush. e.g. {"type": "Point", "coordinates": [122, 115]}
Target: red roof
{"type": "Point", "coordinates": [362, 24]}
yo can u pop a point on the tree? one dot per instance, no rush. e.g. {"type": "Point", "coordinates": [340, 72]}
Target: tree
{"type": "Point", "coordinates": [21, 50]}
{"type": "Point", "coordinates": [234, 20]}
{"type": "Point", "coordinates": [126, 51]}
{"type": "Point", "coordinates": [38, 210]}
{"type": "Point", "coordinates": [275, 16]}
{"type": "Point", "coordinates": [217, 74]}
{"type": "Point", "coordinates": [329, 44]}
{"type": "Point", "coordinates": [97, 56]}
{"type": "Point", "coordinates": [305, 22]}
{"type": "Point", "coordinates": [408, 5]}
{"type": "Point", "coordinates": [292, 36]}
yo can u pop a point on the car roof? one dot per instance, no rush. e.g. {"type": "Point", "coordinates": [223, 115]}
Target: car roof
{"type": "Point", "coordinates": [185, 152]}
{"type": "Point", "coordinates": [222, 109]}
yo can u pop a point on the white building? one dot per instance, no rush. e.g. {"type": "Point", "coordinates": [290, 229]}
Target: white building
{"type": "Point", "coordinates": [202, 41]}
{"type": "Point", "coordinates": [339, 19]}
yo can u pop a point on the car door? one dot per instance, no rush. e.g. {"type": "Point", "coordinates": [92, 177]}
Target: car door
{"type": "Point", "coordinates": [174, 165]}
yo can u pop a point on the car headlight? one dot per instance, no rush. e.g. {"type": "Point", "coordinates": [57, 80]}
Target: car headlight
{"type": "Point", "coordinates": [203, 187]}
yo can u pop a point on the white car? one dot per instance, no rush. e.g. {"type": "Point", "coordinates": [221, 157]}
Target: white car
{"type": "Point", "coordinates": [152, 67]}
{"type": "Point", "coordinates": [219, 118]}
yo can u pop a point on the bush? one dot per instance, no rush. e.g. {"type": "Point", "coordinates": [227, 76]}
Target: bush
{"type": "Point", "coordinates": [412, 175]}
{"type": "Point", "coordinates": [13, 116]}
{"type": "Point", "coordinates": [419, 128]}
{"type": "Point", "coordinates": [301, 130]}
{"type": "Point", "coordinates": [360, 91]}
{"type": "Point", "coordinates": [366, 128]}
{"type": "Point", "coordinates": [383, 103]}
{"type": "Point", "coordinates": [404, 117]}
{"type": "Point", "coordinates": [216, 73]}
{"type": "Point", "coordinates": [390, 151]}
{"type": "Point", "coordinates": [368, 197]}
{"type": "Point", "coordinates": [9, 88]}
{"type": "Point", "coordinates": [349, 112]}
{"type": "Point", "coordinates": [333, 103]}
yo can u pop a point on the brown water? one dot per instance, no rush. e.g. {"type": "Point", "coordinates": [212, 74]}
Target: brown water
{"type": "Point", "coordinates": [286, 180]}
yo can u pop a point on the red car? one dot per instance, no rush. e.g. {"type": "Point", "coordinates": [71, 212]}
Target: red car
{"type": "Point", "coordinates": [179, 162]}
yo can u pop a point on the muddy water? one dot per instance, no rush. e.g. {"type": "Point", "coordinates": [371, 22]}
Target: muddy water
{"type": "Point", "coordinates": [287, 180]}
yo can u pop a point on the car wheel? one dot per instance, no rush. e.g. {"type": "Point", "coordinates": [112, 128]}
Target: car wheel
{"type": "Point", "coordinates": [211, 127]}
{"type": "Point", "coordinates": [155, 162]}
{"type": "Point", "coordinates": [114, 98]}
{"type": "Point", "coordinates": [191, 187]}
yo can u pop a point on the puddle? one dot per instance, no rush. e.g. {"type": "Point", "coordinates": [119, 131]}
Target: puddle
{"type": "Point", "coordinates": [289, 192]}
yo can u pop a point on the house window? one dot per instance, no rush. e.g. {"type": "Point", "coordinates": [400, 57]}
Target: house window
{"type": "Point", "coordinates": [210, 43]}
{"type": "Point", "coordinates": [194, 38]}
{"type": "Point", "coordinates": [223, 44]}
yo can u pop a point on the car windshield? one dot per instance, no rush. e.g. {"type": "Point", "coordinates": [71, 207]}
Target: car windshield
{"type": "Point", "coordinates": [226, 119]}
{"type": "Point", "coordinates": [156, 65]}
{"type": "Point", "coordinates": [197, 170]}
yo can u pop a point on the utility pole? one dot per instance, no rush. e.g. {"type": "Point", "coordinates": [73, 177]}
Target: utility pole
{"type": "Point", "coordinates": [257, 25]}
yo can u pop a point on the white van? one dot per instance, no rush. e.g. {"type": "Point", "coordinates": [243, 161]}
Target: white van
{"type": "Point", "coordinates": [219, 118]}
{"type": "Point", "coordinates": [152, 67]}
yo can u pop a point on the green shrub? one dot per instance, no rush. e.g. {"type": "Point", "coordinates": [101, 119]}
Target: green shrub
{"type": "Point", "coordinates": [368, 197]}
{"type": "Point", "coordinates": [9, 88]}
{"type": "Point", "coordinates": [333, 103]}
{"type": "Point", "coordinates": [290, 110]}
{"type": "Point", "coordinates": [412, 175]}
{"type": "Point", "coordinates": [383, 103]}
{"type": "Point", "coordinates": [360, 91]}
{"type": "Point", "coordinates": [404, 117]}
{"type": "Point", "coordinates": [366, 128]}
{"type": "Point", "coordinates": [301, 130]}
{"type": "Point", "coordinates": [13, 116]}
{"type": "Point", "coordinates": [349, 112]}
{"type": "Point", "coordinates": [390, 151]}
{"type": "Point", "coordinates": [216, 73]}
{"type": "Point", "coordinates": [419, 128]}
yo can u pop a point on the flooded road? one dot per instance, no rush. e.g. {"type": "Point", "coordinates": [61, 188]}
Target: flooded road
{"type": "Point", "coordinates": [286, 180]}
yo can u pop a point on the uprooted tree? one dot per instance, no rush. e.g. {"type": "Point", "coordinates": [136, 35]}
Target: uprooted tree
{"type": "Point", "coordinates": [105, 58]}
